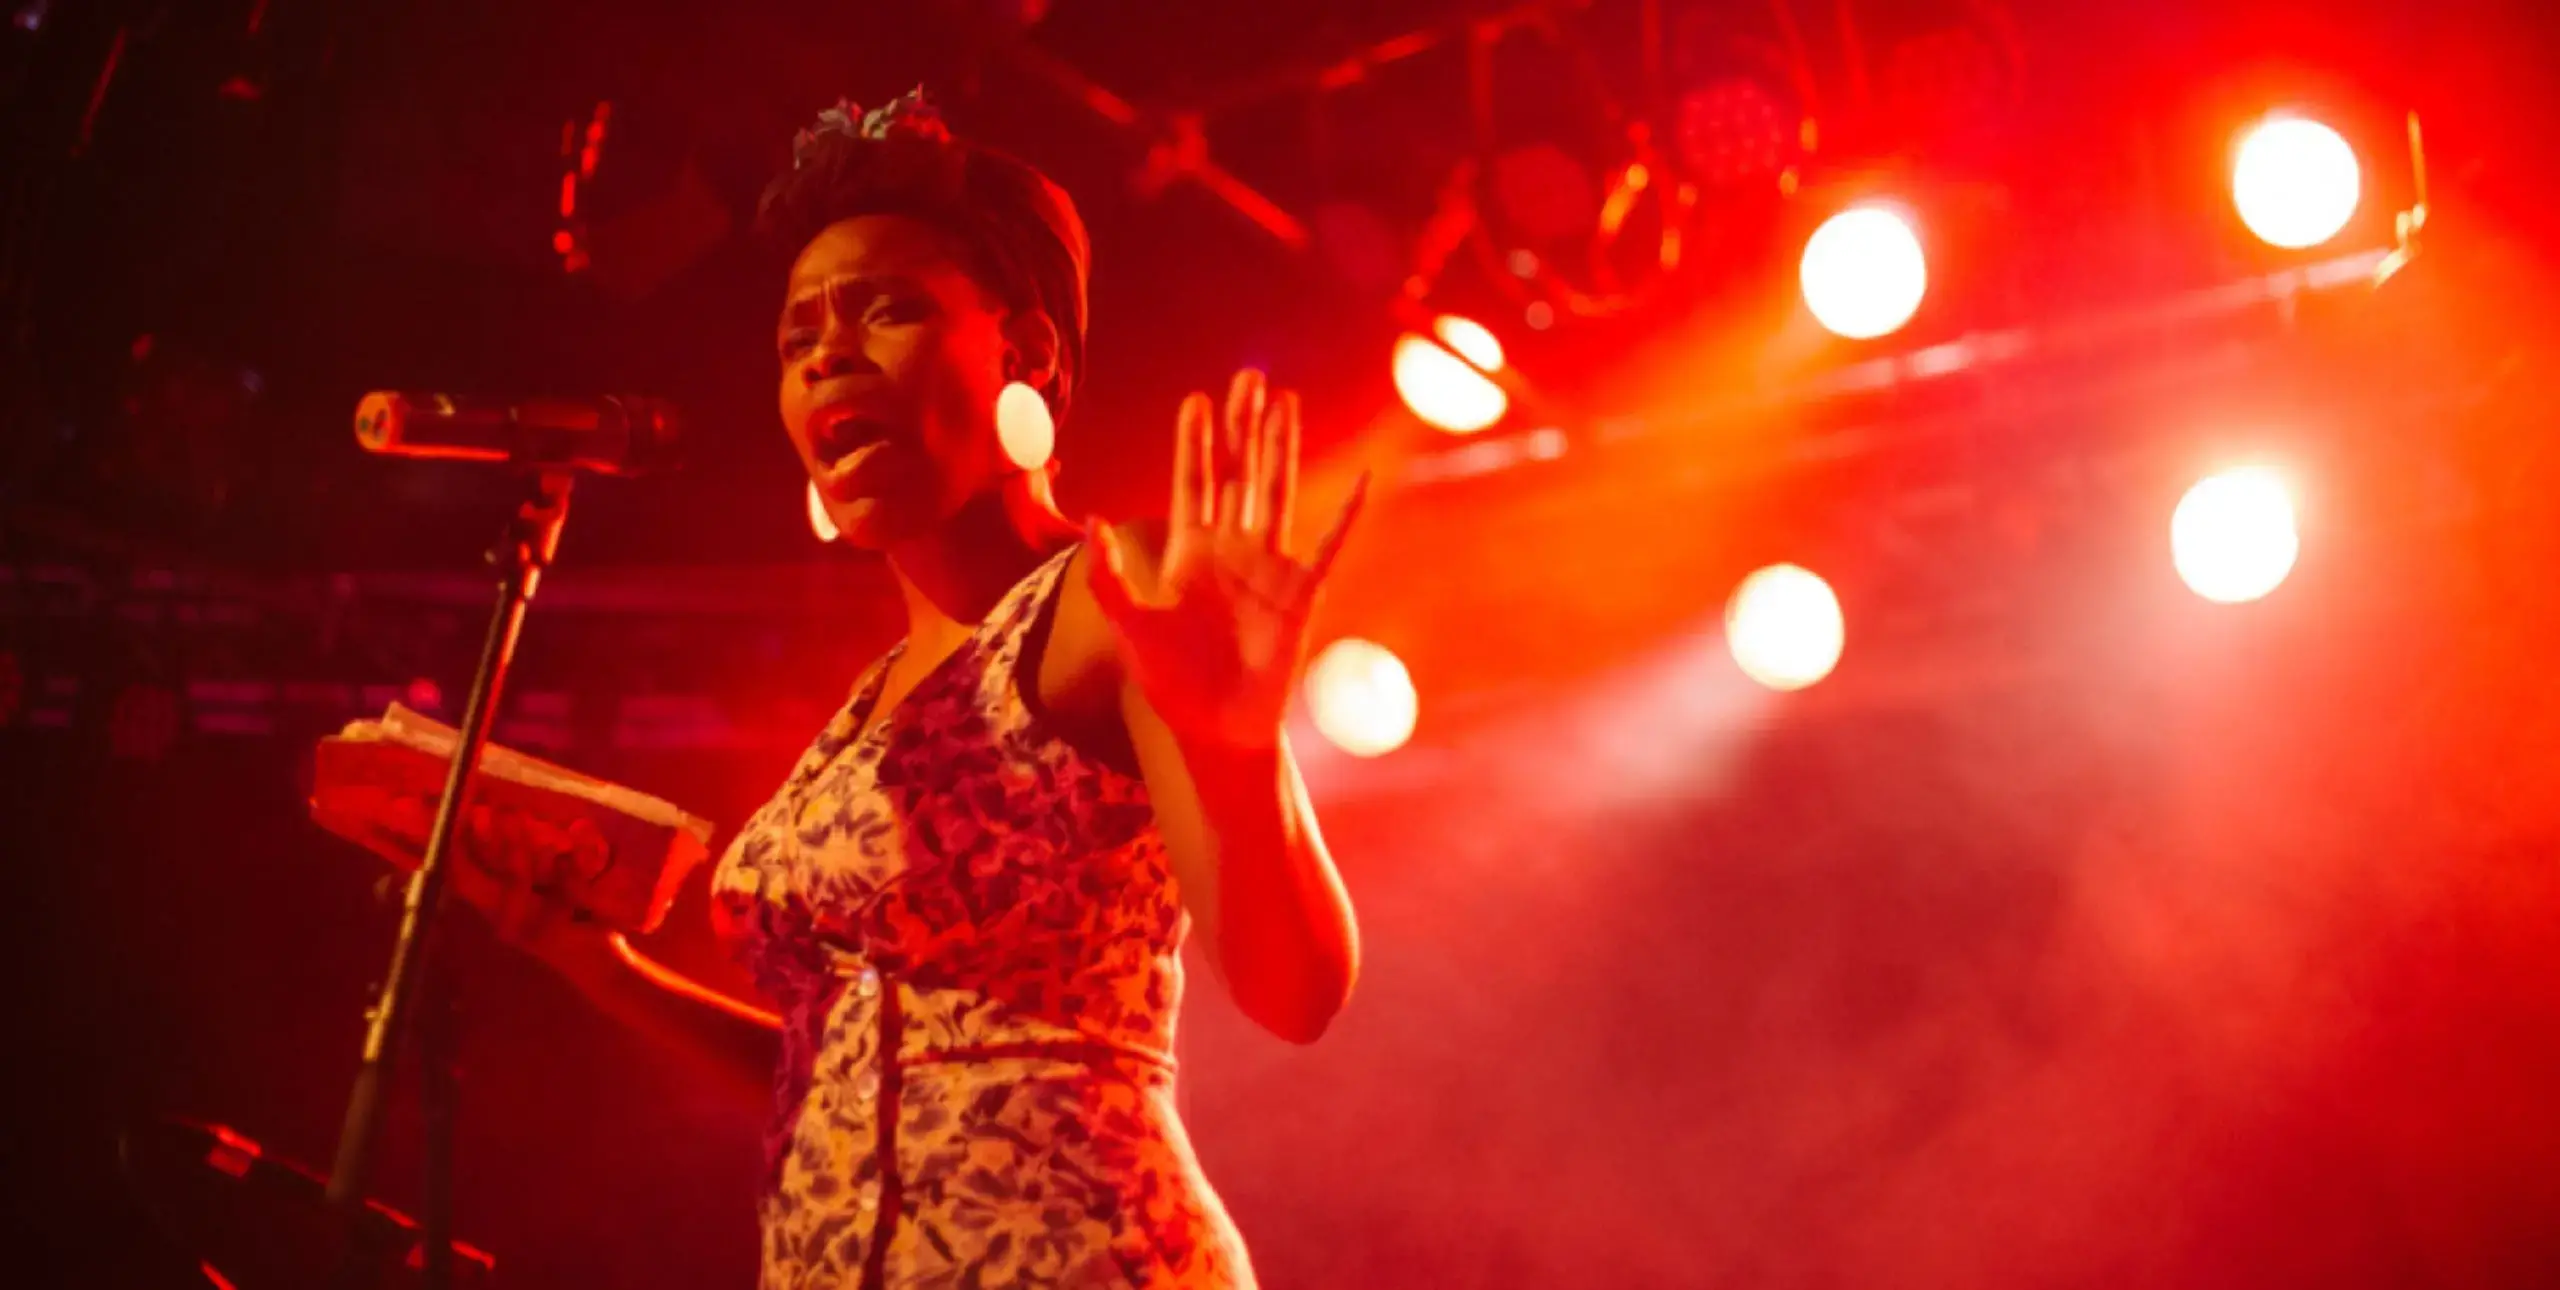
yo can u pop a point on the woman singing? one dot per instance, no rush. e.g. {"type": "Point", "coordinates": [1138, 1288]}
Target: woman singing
{"type": "Point", "coordinates": [970, 895]}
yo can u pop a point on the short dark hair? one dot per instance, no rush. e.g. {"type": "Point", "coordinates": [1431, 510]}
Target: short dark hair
{"type": "Point", "coordinates": [1021, 236]}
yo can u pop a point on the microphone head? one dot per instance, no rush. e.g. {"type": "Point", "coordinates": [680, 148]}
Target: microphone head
{"type": "Point", "coordinates": [624, 435]}
{"type": "Point", "coordinates": [652, 434]}
{"type": "Point", "coordinates": [378, 420]}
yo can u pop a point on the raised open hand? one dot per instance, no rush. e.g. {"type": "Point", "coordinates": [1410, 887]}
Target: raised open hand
{"type": "Point", "coordinates": [1216, 641]}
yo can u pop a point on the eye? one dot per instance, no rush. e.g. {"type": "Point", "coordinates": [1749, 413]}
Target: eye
{"type": "Point", "coordinates": [891, 311]}
{"type": "Point", "coordinates": [796, 343]}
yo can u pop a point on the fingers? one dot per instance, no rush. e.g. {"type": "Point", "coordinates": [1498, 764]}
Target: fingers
{"type": "Point", "coordinates": [1186, 463]}
{"type": "Point", "coordinates": [1331, 546]}
{"type": "Point", "coordinates": [1239, 471]}
{"type": "Point", "coordinates": [1247, 396]}
{"type": "Point", "coordinates": [1280, 472]}
{"type": "Point", "coordinates": [1255, 495]}
{"type": "Point", "coordinates": [522, 912]}
{"type": "Point", "coordinates": [1195, 481]}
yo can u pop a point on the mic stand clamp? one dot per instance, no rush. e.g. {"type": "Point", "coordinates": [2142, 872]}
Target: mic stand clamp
{"type": "Point", "coordinates": [532, 538]}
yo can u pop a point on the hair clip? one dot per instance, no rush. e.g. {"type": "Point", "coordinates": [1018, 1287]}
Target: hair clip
{"type": "Point", "coordinates": [909, 115]}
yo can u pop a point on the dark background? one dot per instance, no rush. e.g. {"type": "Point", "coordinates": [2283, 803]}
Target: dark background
{"type": "Point", "coordinates": [2076, 932]}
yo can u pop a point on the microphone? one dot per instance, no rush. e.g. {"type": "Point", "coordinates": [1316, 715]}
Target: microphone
{"type": "Point", "coordinates": [609, 435]}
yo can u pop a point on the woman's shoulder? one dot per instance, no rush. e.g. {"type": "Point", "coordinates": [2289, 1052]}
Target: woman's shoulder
{"type": "Point", "coordinates": [1079, 659]}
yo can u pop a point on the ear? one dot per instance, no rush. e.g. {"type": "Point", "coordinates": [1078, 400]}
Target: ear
{"type": "Point", "coordinates": [1031, 348]}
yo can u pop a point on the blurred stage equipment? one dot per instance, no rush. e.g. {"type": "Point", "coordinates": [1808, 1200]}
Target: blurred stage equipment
{"type": "Point", "coordinates": [1746, 109]}
{"type": "Point", "coordinates": [1598, 169]}
{"type": "Point", "coordinates": [1952, 67]}
{"type": "Point", "coordinates": [252, 1218]}
{"type": "Point", "coordinates": [551, 440]}
{"type": "Point", "coordinates": [580, 151]}
{"type": "Point", "coordinates": [1612, 148]}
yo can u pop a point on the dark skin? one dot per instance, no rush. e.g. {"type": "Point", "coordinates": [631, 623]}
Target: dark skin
{"type": "Point", "coordinates": [891, 357]}
{"type": "Point", "coordinates": [1177, 643]}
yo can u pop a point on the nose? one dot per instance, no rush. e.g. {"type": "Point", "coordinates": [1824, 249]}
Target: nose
{"type": "Point", "coordinates": [830, 359]}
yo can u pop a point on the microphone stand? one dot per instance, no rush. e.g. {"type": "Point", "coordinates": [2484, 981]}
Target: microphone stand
{"type": "Point", "coordinates": [531, 539]}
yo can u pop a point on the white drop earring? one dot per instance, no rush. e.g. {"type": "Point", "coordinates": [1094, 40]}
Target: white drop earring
{"type": "Point", "coordinates": [821, 523]}
{"type": "Point", "coordinates": [1024, 427]}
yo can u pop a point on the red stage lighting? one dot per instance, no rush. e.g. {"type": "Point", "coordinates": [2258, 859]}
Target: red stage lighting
{"type": "Point", "coordinates": [1733, 133]}
{"type": "Point", "coordinates": [1863, 272]}
{"type": "Point", "coordinates": [1784, 627]}
{"type": "Point", "coordinates": [1443, 390]}
{"type": "Point", "coordinates": [2295, 181]}
{"type": "Point", "coordinates": [1361, 697]}
{"type": "Point", "coordinates": [2233, 537]}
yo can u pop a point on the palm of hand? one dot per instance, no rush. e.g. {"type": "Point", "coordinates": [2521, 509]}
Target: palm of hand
{"type": "Point", "coordinates": [1215, 642]}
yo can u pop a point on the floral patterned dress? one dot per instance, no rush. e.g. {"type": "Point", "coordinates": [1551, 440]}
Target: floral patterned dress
{"type": "Point", "coordinates": [974, 936]}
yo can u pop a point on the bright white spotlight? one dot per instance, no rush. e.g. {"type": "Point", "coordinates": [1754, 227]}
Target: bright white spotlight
{"type": "Point", "coordinates": [820, 523]}
{"type": "Point", "coordinates": [2295, 181]}
{"type": "Point", "coordinates": [1863, 272]}
{"type": "Point", "coordinates": [1444, 391]}
{"type": "Point", "coordinates": [2232, 537]}
{"type": "Point", "coordinates": [1784, 627]}
{"type": "Point", "coordinates": [1361, 697]}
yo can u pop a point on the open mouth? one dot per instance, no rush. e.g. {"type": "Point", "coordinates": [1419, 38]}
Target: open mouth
{"type": "Point", "coordinates": [836, 433]}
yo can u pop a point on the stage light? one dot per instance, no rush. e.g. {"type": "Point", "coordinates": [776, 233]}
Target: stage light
{"type": "Point", "coordinates": [1445, 391]}
{"type": "Point", "coordinates": [2232, 537]}
{"type": "Point", "coordinates": [1863, 272]}
{"type": "Point", "coordinates": [1361, 697]}
{"type": "Point", "coordinates": [2295, 181]}
{"type": "Point", "coordinates": [1784, 627]}
{"type": "Point", "coordinates": [1951, 78]}
{"type": "Point", "coordinates": [1734, 132]}
{"type": "Point", "coordinates": [820, 523]}
{"type": "Point", "coordinates": [424, 695]}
